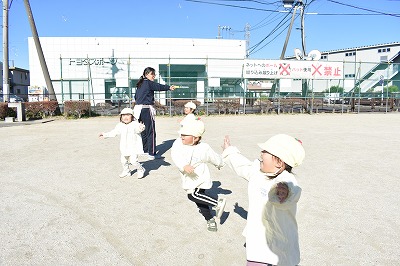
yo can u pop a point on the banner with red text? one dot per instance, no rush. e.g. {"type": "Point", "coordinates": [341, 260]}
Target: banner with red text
{"type": "Point", "coordinates": [290, 69]}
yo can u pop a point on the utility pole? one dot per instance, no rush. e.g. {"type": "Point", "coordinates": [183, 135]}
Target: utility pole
{"type": "Point", "coordinates": [298, 4]}
{"type": "Point", "coordinates": [247, 37]}
{"type": "Point", "coordinates": [45, 70]}
{"type": "Point", "coordinates": [6, 82]}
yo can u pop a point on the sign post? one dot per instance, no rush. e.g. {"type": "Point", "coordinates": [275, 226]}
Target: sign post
{"type": "Point", "coordinates": [382, 81]}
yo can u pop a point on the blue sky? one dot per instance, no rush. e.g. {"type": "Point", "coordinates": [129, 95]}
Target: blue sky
{"type": "Point", "coordinates": [335, 26]}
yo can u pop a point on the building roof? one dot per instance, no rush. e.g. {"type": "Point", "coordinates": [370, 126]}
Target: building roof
{"type": "Point", "coordinates": [365, 47]}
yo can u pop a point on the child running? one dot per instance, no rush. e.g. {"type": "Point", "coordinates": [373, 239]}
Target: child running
{"type": "Point", "coordinates": [191, 157]}
{"type": "Point", "coordinates": [271, 231]}
{"type": "Point", "coordinates": [131, 142]}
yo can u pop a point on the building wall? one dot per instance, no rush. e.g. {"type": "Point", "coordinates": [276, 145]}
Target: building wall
{"type": "Point", "coordinates": [78, 59]}
{"type": "Point", "coordinates": [93, 65]}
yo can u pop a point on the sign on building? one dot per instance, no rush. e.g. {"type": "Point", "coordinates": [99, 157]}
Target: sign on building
{"type": "Point", "coordinates": [286, 69]}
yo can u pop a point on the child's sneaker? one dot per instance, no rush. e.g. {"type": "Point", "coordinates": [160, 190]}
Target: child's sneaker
{"type": "Point", "coordinates": [125, 172]}
{"type": "Point", "coordinates": [219, 209]}
{"type": "Point", "coordinates": [140, 171]}
{"type": "Point", "coordinates": [211, 225]}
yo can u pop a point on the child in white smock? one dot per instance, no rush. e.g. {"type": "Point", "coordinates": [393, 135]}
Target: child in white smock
{"type": "Point", "coordinates": [189, 109]}
{"type": "Point", "coordinates": [191, 157]}
{"type": "Point", "coordinates": [271, 231]}
{"type": "Point", "coordinates": [131, 142]}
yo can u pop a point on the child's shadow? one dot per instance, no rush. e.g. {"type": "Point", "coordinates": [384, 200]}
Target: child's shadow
{"type": "Point", "coordinates": [239, 210]}
{"type": "Point", "coordinates": [214, 191]}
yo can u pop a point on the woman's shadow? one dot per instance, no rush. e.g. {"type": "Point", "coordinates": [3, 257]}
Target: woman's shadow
{"type": "Point", "coordinates": [157, 163]}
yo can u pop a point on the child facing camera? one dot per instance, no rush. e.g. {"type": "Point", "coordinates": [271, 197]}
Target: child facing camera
{"type": "Point", "coordinates": [189, 110]}
{"type": "Point", "coordinates": [131, 142]}
{"type": "Point", "coordinates": [191, 157]}
{"type": "Point", "coordinates": [271, 230]}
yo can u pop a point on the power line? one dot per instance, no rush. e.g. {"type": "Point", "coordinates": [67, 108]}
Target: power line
{"type": "Point", "coordinates": [243, 7]}
{"type": "Point", "coordinates": [365, 9]}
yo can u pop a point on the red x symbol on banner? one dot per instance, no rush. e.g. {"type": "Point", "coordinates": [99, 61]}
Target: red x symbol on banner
{"type": "Point", "coordinates": [284, 69]}
{"type": "Point", "coordinates": [316, 70]}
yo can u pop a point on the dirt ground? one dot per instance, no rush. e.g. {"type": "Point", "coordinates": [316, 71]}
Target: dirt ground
{"type": "Point", "coordinates": [62, 202]}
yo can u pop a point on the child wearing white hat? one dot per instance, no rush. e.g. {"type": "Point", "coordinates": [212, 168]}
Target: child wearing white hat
{"type": "Point", "coordinates": [271, 231]}
{"type": "Point", "coordinates": [191, 157]}
{"type": "Point", "coordinates": [189, 109]}
{"type": "Point", "coordinates": [131, 142]}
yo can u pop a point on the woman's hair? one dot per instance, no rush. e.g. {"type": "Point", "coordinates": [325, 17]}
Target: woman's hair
{"type": "Point", "coordinates": [146, 71]}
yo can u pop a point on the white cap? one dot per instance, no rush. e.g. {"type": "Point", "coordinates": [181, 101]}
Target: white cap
{"type": "Point", "coordinates": [191, 105]}
{"type": "Point", "coordinates": [192, 128]}
{"type": "Point", "coordinates": [286, 148]}
{"type": "Point", "coordinates": [126, 111]}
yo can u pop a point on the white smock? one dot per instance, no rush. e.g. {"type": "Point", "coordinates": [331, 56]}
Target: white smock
{"type": "Point", "coordinates": [197, 156]}
{"type": "Point", "coordinates": [271, 230]}
{"type": "Point", "coordinates": [131, 141]}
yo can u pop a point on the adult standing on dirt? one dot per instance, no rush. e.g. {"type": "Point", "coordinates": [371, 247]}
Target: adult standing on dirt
{"type": "Point", "coordinates": [144, 108]}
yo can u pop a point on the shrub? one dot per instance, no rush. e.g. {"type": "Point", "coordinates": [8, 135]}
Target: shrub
{"type": "Point", "coordinates": [41, 109]}
{"type": "Point", "coordinates": [3, 110]}
{"type": "Point", "coordinates": [76, 109]}
{"type": "Point", "coordinates": [6, 111]}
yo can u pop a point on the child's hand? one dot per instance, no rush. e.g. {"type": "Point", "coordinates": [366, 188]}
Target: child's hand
{"type": "Point", "coordinates": [282, 191]}
{"type": "Point", "coordinates": [188, 169]}
{"type": "Point", "coordinates": [227, 142]}
{"type": "Point", "coordinates": [141, 126]}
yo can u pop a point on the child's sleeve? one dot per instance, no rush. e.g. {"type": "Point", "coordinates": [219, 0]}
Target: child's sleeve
{"type": "Point", "coordinates": [293, 195]}
{"type": "Point", "coordinates": [176, 155]}
{"type": "Point", "coordinates": [112, 133]}
{"type": "Point", "coordinates": [139, 127]}
{"type": "Point", "coordinates": [214, 158]}
{"type": "Point", "coordinates": [237, 162]}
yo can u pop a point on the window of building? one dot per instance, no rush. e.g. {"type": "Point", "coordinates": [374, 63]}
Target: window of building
{"type": "Point", "coordinates": [324, 57]}
{"type": "Point", "coordinates": [350, 54]}
{"type": "Point", "coordinates": [384, 50]}
{"type": "Point", "coordinates": [349, 75]}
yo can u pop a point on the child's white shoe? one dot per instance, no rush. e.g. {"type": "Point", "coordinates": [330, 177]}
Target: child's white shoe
{"type": "Point", "coordinates": [140, 171]}
{"type": "Point", "coordinates": [126, 170]}
{"type": "Point", "coordinates": [212, 225]}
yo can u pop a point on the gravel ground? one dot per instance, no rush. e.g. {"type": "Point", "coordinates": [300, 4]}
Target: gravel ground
{"type": "Point", "coordinates": [62, 202]}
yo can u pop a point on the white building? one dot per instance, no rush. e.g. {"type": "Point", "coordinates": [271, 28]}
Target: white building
{"type": "Point", "coordinates": [108, 68]}
{"type": "Point", "coordinates": [364, 67]}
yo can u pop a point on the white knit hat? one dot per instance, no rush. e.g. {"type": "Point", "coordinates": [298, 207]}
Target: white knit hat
{"type": "Point", "coordinates": [286, 148]}
{"type": "Point", "coordinates": [192, 128]}
{"type": "Point", "coordinates": [126, 111]}
{"type": "Point", "coordinates": [191, 105]}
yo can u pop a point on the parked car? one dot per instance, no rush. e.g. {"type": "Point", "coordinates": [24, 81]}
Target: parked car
{"type": "Point", "coordinates": [14, 99]}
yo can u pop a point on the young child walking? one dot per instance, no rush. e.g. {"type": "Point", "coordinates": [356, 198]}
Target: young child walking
{"type": "Point", "coordinates": [271, 231]}
{"type": "Point", "coordinates": [131, 142]}
{"type": "Point", "coordinates": [191, 156]}
{"type": "Point", "coordinates": [189, 110]}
